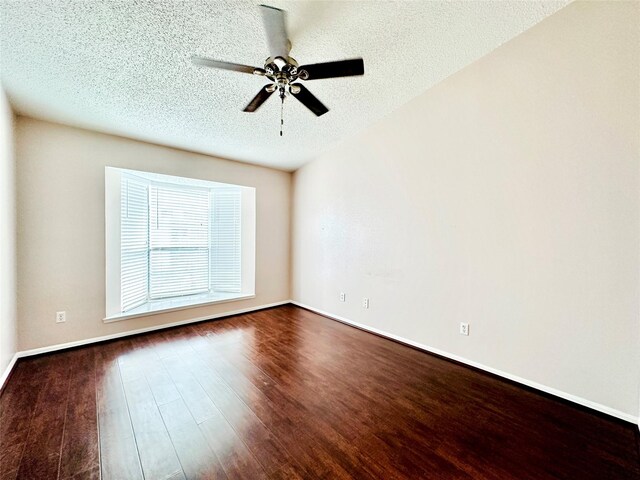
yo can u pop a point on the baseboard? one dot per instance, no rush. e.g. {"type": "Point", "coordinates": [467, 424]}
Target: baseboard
{"type": "Point", "coordinates": [538, 386]}
{"type": "Point", "coordinates": [7, 371]}
{"type": "Point", "coordinates": [88, 341]}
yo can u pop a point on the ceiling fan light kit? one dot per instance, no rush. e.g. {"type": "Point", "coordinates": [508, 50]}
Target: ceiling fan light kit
{"type": "Point", "coordinates": [283, 71]}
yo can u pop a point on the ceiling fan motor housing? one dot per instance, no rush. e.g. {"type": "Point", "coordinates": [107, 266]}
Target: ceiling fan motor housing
{"type": "Point", "coordinates": [282, 72]}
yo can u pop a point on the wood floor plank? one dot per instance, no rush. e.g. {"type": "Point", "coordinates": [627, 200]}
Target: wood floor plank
{"type": "Point", "coordinates": [285, 393]}
{"type": "Point", "coordinates": [163, 389]}
{"type": "Point", "coordinates": [198, 460]}
{"type": "Point", "coordinates": [237, 460]}
{"type": "Point", "coordinates": [41, 457]}
{"type": "Point", "coordinates": [118, 450]}
{"type": "Point", "coordinates": [91, 474]}
{"type": "Point", "coordinates": [259, 439]}
{"type": "Point", "coordinates": [80, 447]}
{"type": "Point", "coordinates": [16, 395]}
{"type": "Point", "coordinates": [195, 398]}
{"type": "Point", "coordinates": [8, 474]}
{"type": "Point", "coordinates": [17, 404]}
{"type": "Point", "coordinates": [288, 472]}
{"type": "Point", "coordinates": [10, 462]}
{"type": "Point", "coordinates": [235, 457]}
{"type": "Point", "coordinates": [157, 455]}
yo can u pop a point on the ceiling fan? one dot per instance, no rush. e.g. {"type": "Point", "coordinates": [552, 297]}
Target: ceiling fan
{"type": "Point", "coordinates": [283, 71]}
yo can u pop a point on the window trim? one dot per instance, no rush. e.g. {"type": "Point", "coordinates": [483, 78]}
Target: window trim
{"type": "Point", "coordinates": [113, 258]}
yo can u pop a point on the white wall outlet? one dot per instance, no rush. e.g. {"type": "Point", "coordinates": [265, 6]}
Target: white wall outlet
{"type": "Point", "coordinates": [365, 302]}
{"type": "Point", "coordinates": [61, 317]}
{"type": "Point", "coordinates": [464, 328]}
{"type": "Point", "coordinates": [343, 297]}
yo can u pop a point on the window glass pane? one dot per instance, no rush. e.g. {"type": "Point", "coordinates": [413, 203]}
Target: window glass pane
{"type": "Point", "coordinates": [226, 266]}
{"type": "Point", "coordinates": [179, 237]}
{"type": "Point", "coordinates": [133, 242]}
{"type": "Point", "coordinates": [178, 271]}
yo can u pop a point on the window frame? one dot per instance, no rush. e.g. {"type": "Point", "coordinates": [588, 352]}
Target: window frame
{"type": "Point", "coordinates": [113, 235]}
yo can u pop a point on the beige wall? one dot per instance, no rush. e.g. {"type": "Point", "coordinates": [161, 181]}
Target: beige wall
{"type": "Point", "coordinates": [506, 197]}
{"type": "Point", "coordinates": [8, 293]}
{"type": "Point", "coordinates": [61, 238]}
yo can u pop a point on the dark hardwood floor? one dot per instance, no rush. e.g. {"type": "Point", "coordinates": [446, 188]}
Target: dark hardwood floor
{"type": "Point", "coordinates": [288, 394]}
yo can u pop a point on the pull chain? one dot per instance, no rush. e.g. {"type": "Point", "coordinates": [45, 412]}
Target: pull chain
{"type": "Point", "coordinates": [281, 113]}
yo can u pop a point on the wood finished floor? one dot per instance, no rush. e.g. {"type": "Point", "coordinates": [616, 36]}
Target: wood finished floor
{"type": "Point", "coordinates": [287, 394]}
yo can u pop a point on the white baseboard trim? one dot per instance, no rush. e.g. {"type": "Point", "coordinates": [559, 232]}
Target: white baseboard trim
{"type": "Point", "coordinates": [538, 386]}
{"type": "Point", "coordinates": [78, 343]}
{"type": "Point", "coordinates": [7, 371]}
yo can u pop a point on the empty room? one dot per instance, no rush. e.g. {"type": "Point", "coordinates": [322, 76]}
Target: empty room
{"type": "Point", "coordinates": [319, 239]}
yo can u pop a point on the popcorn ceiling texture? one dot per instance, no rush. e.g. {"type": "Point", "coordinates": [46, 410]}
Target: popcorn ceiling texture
{"type": "Point", "coordinates": [123, 67]}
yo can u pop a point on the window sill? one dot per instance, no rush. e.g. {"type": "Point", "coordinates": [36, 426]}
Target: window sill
{"type": "Point", "coordinates": [173, 304]}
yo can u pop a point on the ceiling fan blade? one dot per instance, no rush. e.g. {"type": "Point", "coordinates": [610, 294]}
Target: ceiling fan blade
{"type": "Point", "coordinates": [276, 29]}
{"type": "Point", "coordinates": [236, 67]}
{"type": "Point", "coordinates": [341, 68]}
{"type": "Point", "coordinates": [309, 100]}
{"type": "Point", "coordinates": [259, 99]}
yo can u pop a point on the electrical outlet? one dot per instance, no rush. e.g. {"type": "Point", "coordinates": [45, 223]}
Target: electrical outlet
{"type": "Point", "coordinates": [61, 317]}
{"type": "Point", "coordinates": [343, 297]}
{"type": "Point", "coordinates": [464, 328]}
{"type": "Point", "coordinates": [365, 303]}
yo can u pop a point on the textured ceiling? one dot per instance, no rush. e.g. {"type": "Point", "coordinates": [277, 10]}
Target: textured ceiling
{"type": "Point", "coordinates": [123, 67]}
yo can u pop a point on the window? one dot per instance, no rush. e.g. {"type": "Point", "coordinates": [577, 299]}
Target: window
{"type": "Point", "coordinates": [175, 242]}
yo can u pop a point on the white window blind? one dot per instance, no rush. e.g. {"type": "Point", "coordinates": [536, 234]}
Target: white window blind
{"type": "Point", "coordinates": [178, 238]}
{"type": "Point", "coordinates": [226, 251]}
{"type": "Point", "coordinates": [134, 245]}
{"type": "Point", "coordinates": [179, 234]}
